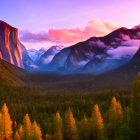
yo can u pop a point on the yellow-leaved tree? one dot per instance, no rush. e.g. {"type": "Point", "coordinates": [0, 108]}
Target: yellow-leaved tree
{"type": "Point", "coordinates": [16, 137]}
{"type": "Point", "coordinates": [58, 132]}
{"type": "Point", "coordinates": [21, 133]}
{"type": "Point", "coordinates": [5, 124]}
{"type": "Point", "coordinates": [115, 117]}
{"type": "Point", "coordinates": [27, 130]}
{"type": "Point", "coordinates": [97, 124]}
{"type": "Point", "coordinates": [36, 132]}
{"type": "Point", "coordinates": [115, 113]}
{"type": "Point", "coordinates": [70, 129]}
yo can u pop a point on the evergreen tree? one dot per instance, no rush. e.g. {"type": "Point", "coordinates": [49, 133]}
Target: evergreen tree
{"type": "Point", "coordinates": [127, 115]}
{"type": "Point", "coordinates": [115, 112]}
{"type": "Point", "coordinates": [58, 132]}
{"type": "Point", "coordinates": [49, 137]}
{"type": "Point", "coordinates": [27, 128]}
{"type": "Point", "coordinates": [14, 126]}
{"type": "Point", "coordinates": [1, 126]}
{"type": "Point", "coordinates": [97, 124]}
{"type": "Point", "coordinates": [84, 129]}
{"type": "Point", "coordinates": [135, 108]}
{"type": "Point", "coordinates": [115, 117]}
{"type": "Point", "coordinates": [125, 126]}
{"type": "Point", "coordinates": [21, 133]}
{"type": "Point", "coordinates": [70, 129]}
{"type": "Point", "coordinates": [5, 123]}
{"type": "Point", "coordinates": [16, 137]}
{"type": "Point", "coordinates": [36, 132]}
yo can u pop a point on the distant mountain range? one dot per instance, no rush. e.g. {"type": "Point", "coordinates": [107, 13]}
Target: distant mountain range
{"type": "Point", "coordinates": [95, 55]}
{"type": "Point", "coordinates": [36, 54]}
{"type": "Point", "coordinates": [47, 57]}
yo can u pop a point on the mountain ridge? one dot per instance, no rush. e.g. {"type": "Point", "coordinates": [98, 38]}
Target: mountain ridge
{"type": "Point", "coordinates": [74, 58]}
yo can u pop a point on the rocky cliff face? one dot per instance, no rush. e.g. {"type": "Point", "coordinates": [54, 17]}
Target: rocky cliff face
{"type": "Point", "coordinates": [10, 47]}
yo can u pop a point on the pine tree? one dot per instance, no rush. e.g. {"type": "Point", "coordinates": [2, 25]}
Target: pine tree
{"type": "Point", "coordinates": [1, 126]}
{"type": "Point", "coordinates": [49, 137]}
{"type": "Point", "coordinates": [127, 115]}
{"type": "Point", "coordinates": [84, 127]}
{"type": "Point", "coordinates": [115, 112]}
{"type": "Point", "coordinates": [58, 132]}
{"type": "Point", "coordinates": [125, 127]}
{"type": "Point", "coordinates": [97, 124]}
{"type": "Point", "coordinates": [27, 128]}
{"type": "Point", "coordinates": [135, 108]}
{"type": "Point", "coordinates": [70, 129]}
{"type": "Point", "coordinates": [6, 123]}
{"type": "Point", "coordinates": [36, 132]}
{"type": "Point", "coordinates": [16, 137]}
{"type": "Point", "coordinates": [115, 117]}
{"type": "Point", "coordinates": [21, 133]}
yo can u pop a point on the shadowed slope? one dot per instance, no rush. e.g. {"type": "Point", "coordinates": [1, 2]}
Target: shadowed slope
{"type": "Point", "coordinates": [10, 74]}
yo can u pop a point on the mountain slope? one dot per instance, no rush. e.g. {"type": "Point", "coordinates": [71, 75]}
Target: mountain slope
{"type": "Point", "coordinates": [10, 74]}
{"type": "Point", "coordinates": [27, 61]}
{"type": "Point", "coordinates": [47, 57]}
{"type": "Point", "coordinates": [36, 54]}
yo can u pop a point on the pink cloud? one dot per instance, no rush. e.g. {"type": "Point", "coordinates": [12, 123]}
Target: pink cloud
{"type": "Point", "coordinates": [70, 36]}
{"type": "Point", "coordinates": [93, 28]}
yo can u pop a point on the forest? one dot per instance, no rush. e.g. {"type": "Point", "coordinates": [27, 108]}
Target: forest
{"type": "Point", "coordinates": [105, 115]}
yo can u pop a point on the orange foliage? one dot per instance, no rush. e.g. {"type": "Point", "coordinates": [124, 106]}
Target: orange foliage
{"type": "Point", "coordinates": [36, 132]}
{"type": "Point", "coordinates": [115, 112]}
{"type": "Point", "coordinates": [96, 115]}
{"type": "Point", "coordinates": [5, 123]}
{"type": "Point", "coordinates": [58, 132]}
{"type": "Point", "coordinates": [26, 127]}
{"type": "Point", "coordinates": [70, 126]}
{"type": "Point", "coordinates": [16, 137]}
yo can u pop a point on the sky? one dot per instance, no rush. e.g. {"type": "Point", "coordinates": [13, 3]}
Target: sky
{"type": "Point", "coordinates": [43, 23]}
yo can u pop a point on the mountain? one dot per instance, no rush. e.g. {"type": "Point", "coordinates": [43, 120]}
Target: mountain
{"type": "Point", "coordinates": [98, 54]}
{"type": "Point", "coordinates": [95, 55]}
{"type": "Point", "coordinates": [27, 61]}
{"type": "Point", "coordinates": [36, 54]}
{"type": "Point", "coordinates": [47, 57]}
{"type": "Point", "coordinates": [11, 49]}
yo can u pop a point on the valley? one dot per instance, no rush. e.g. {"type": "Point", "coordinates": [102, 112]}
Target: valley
{"type": "Point", "coordinates": [65, 89]}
